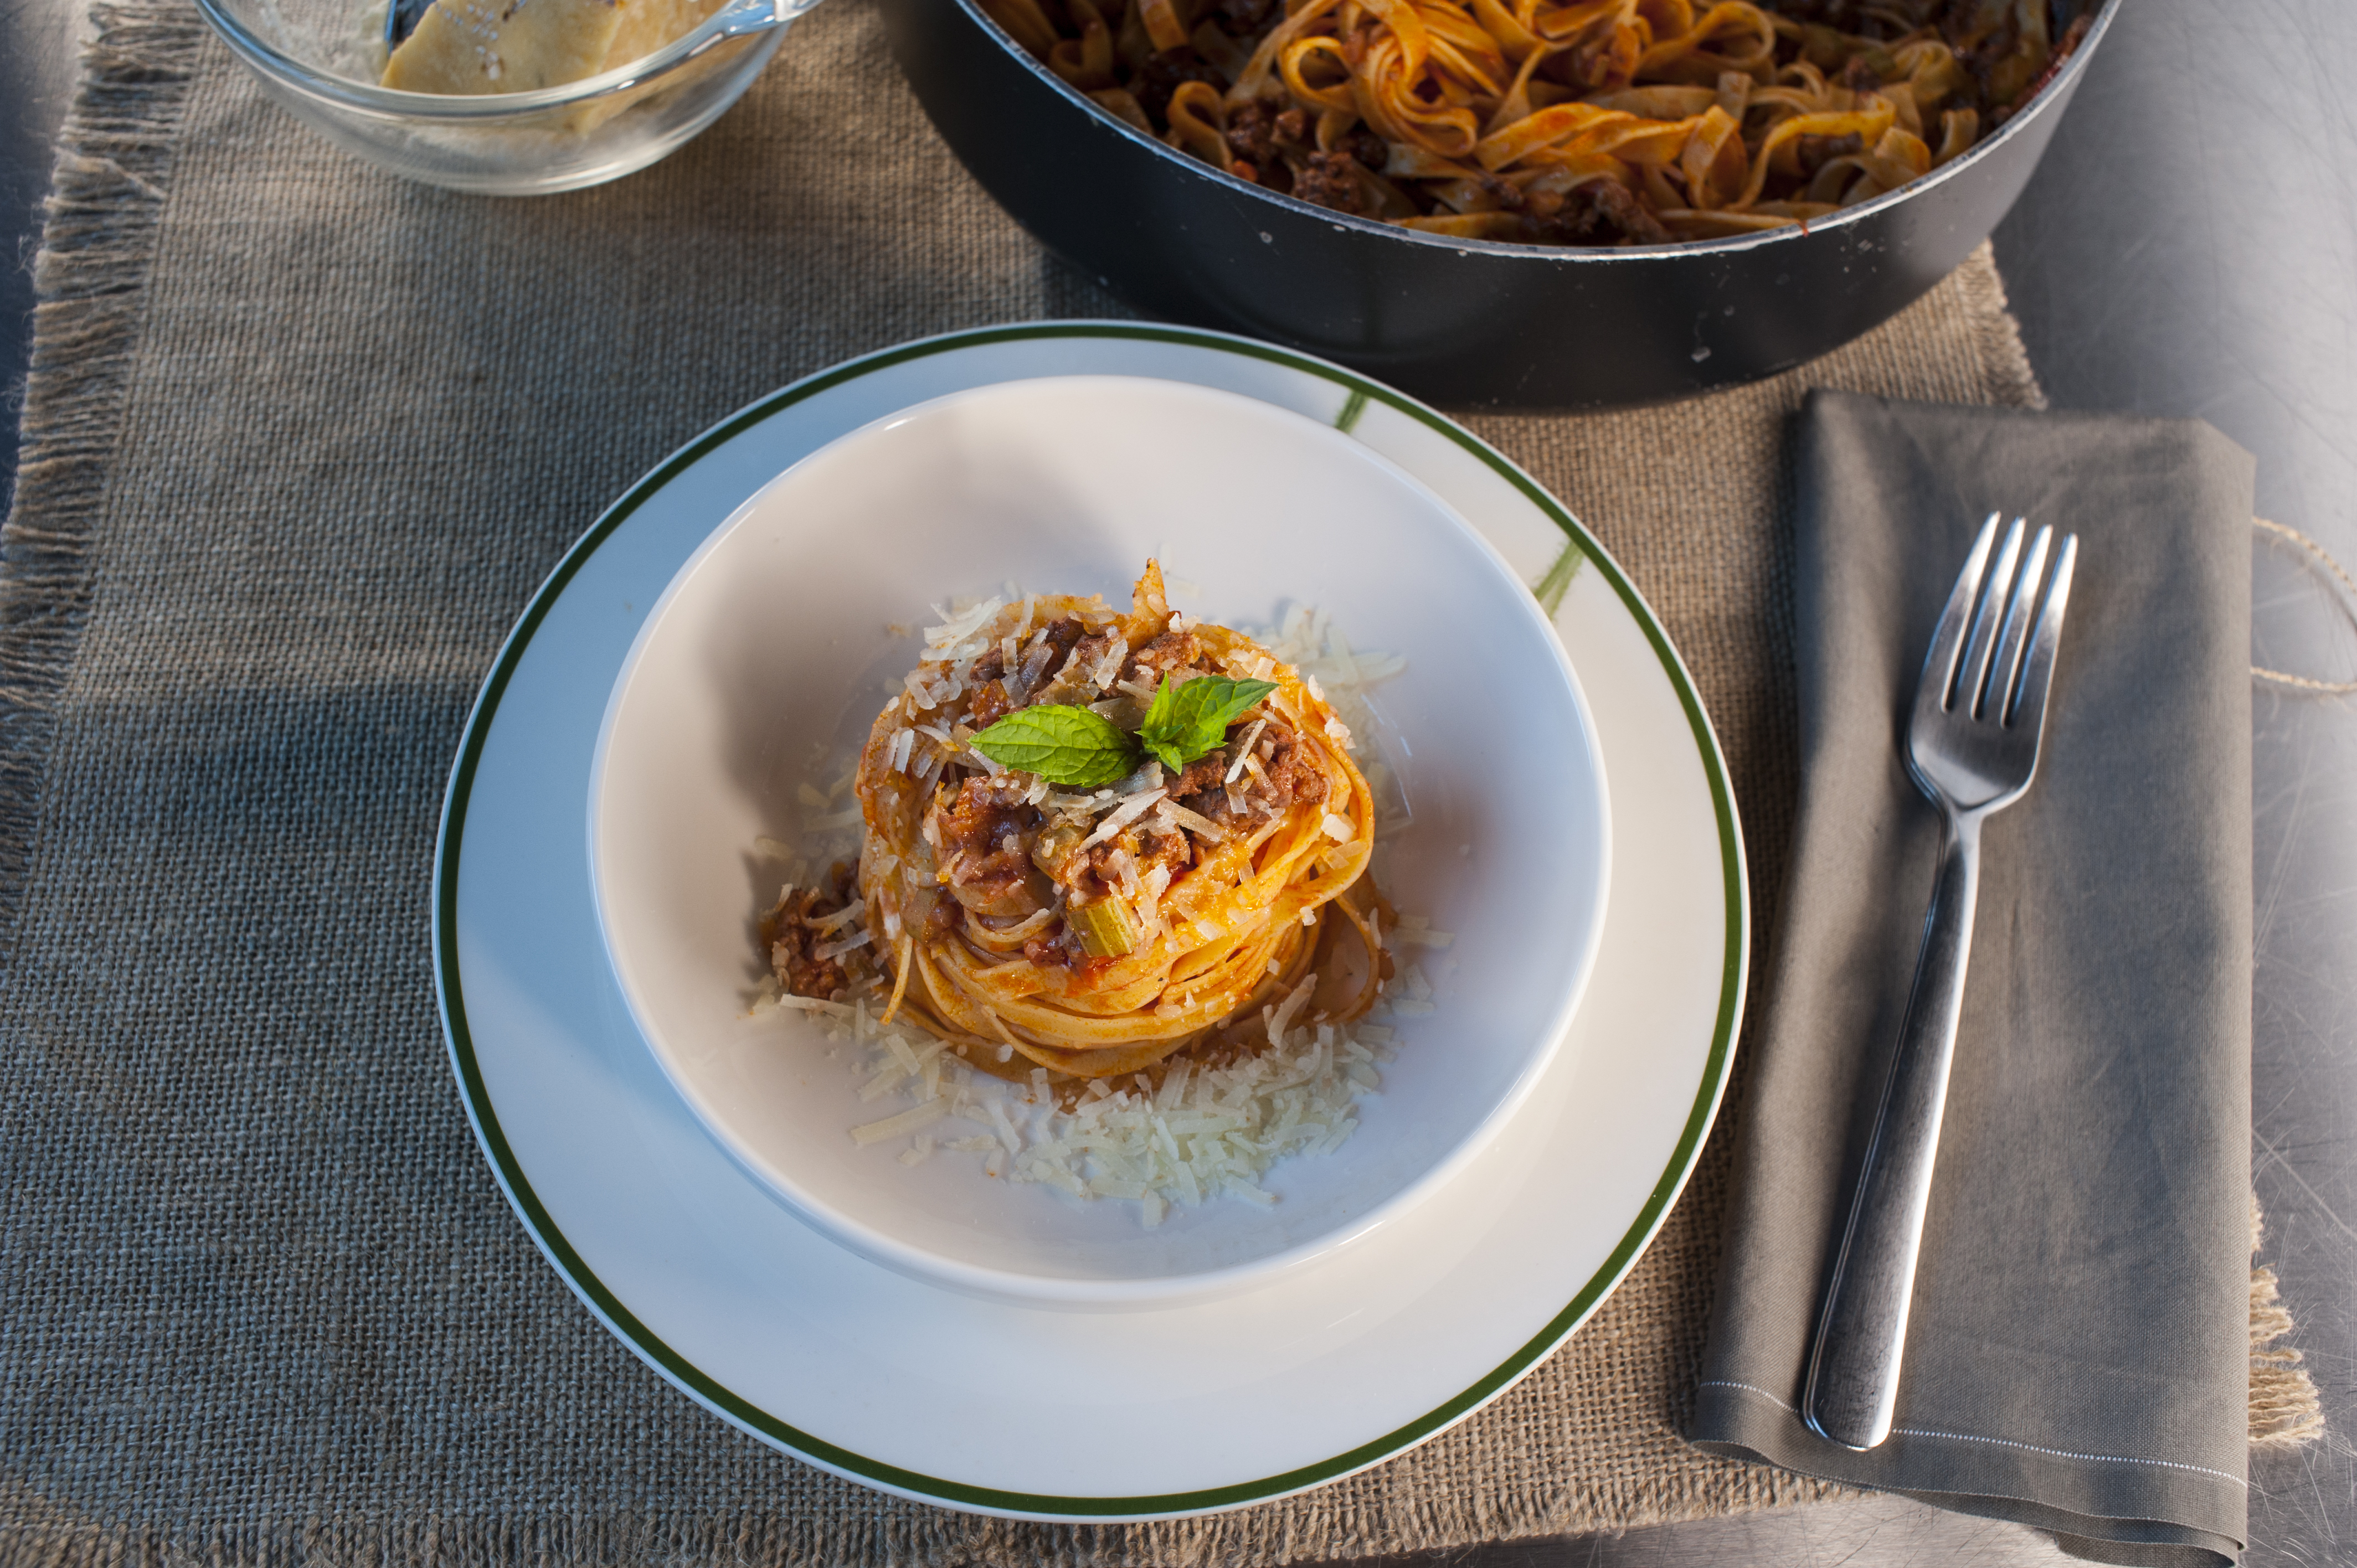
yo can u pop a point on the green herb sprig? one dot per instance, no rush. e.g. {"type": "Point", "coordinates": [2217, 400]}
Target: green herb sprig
{"type": "Point", "coordinates": [1082, 749]}
{"type": "Point", "coordinates": [1185, 721]}
{"type": "Point", "coordinates": [1067, 746]}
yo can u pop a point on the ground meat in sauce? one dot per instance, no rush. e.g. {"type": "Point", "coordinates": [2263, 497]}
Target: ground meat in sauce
{"type": "Point", "coordinates": [1069, 683]}
{"type": "Point", "coordinates": [1171, 650]}
{"type": "Point", "coordinates": [1169, 851]}
{"type": "Point", "coordinates": [1161, 75]}
{"type": "Point", "coordinates": [1333, 181]}
{"type": "Point", "coordinates": [1296, 779]}
{"type": "Point", "coordinates": [1291, 778]}
{"type": "Point", "coordinates": [1094, 647]}
{"type": "Point", "coordinates": [1062, 636]}
{"type": "Point", "coordinates": [1600, 212]}
{"type": "Point", "coordinates": [1368, 150]}
{"type": "Point", "coordinates": [984, 829]}
{"type": "Point", "coordinates": [1253, 133]}
{"type": "Point", "coordinates": [1204, 773]}
{"type": "Point", "coordinates": [1505, 193]}
{"type": "Point", "coordinates": [1272, 142]}
{"type": "Point", "coordinates": [787, 931]}
{"type": "Point", "coordinates": [990, 704]}
{"type": "Point", "coordinates": [1097, 871]}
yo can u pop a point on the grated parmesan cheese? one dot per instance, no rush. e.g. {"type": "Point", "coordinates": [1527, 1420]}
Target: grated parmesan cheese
{"type": "Point", "coordinates": [1415, 930]}
{"type": "Point", "coordinates": [1204, 1132]}
{"type": "Point", "coordinates": [821, 953]}
{"type": "Point", "coordinates": [1121, 816]}
{"type": "Point", "coordinates": [840, 917]}
{"type": "Point", "coordinates": [924, 1115]}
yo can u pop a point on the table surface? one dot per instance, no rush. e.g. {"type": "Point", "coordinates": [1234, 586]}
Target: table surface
{"type": "Point", "coordinates": [2160, 261]}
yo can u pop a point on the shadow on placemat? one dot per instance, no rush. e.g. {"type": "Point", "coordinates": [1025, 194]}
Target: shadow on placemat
{"type": "Point", "coordinates": [300, 443]}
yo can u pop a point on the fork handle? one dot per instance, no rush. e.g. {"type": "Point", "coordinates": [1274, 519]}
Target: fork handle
{"type": "Point", "coordinates": [1852, 1386]}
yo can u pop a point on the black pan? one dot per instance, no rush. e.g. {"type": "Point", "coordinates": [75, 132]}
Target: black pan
{"type": "Point", "coordinates": [1456, 322]}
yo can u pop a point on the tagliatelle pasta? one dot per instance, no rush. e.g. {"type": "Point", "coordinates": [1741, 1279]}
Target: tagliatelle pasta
{"type": "Point", "coordinates": [1585, 123]}
{"type": "Point", "coordinates": [1092, 912]}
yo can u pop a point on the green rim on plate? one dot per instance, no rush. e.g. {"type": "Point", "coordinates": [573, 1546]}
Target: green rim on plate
{"type": "Point", "coordinates": [803, 1444]}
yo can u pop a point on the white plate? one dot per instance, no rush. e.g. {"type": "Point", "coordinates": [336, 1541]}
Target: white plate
{"type": "Point", "coordinates": [1001, 1409]}
{"type": "Point", "coordinates": [757, 674]}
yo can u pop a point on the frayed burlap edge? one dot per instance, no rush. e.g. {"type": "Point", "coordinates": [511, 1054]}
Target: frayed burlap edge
{"type": "Point", "coordinates": [88, 279]}
{"type": "Point", "coordinates": [2286, 1412]}
{"type": "Point", "coordinates": [2013, 382]}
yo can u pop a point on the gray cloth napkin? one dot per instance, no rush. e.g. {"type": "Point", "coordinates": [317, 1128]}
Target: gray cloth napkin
{"type": "Point", "coordinates": [2077, 1358]}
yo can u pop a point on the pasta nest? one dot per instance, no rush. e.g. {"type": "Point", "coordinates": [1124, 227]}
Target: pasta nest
{"type": "Point", "coordinates": [1275, 919]}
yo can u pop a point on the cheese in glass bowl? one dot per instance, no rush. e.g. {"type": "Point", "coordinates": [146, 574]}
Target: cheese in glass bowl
{"type": "Point", "coordinates": [507, 98]}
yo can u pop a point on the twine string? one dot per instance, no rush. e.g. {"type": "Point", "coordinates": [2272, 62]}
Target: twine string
{"type": "Point", "coordinates": [2348, 597]}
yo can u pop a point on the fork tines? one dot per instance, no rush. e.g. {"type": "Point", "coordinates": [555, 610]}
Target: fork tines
{"type": "Point", "coordinates": [2019, 607]}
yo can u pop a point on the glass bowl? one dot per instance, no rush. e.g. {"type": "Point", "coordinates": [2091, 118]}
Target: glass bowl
{"type": "Point", "coordinates": [321, 60]}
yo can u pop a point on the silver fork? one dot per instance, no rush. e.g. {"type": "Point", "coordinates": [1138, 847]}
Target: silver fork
{"type": "Point", "coordinates": [1980, 710]}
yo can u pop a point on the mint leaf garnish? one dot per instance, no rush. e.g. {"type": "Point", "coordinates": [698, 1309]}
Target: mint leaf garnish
{"type": "Point", "coordinates": [1067, 746]}
{"type": "Point", "coordinates": [1187, 721]}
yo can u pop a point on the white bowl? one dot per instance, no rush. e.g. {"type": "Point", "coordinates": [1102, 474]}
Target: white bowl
{"type": "Point", "coordinates": [772, 647]}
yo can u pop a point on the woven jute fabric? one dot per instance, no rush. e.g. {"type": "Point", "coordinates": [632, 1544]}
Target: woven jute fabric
{"type": "Point", "coordinates": [300, 443]}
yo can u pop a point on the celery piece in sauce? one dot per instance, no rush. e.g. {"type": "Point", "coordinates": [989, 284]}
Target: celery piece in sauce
{"type": "Point", "coordinates": [1108, 928]}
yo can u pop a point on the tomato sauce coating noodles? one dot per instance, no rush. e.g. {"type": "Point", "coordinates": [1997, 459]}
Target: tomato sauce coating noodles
{"type": "Point", "coordinates": [1559, 122]}
{"type": "Point", "coordinates": [1095, 931]}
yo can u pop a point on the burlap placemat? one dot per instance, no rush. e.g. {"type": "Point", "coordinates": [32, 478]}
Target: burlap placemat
{"type": "Point", "coordinates": [300, 443]}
